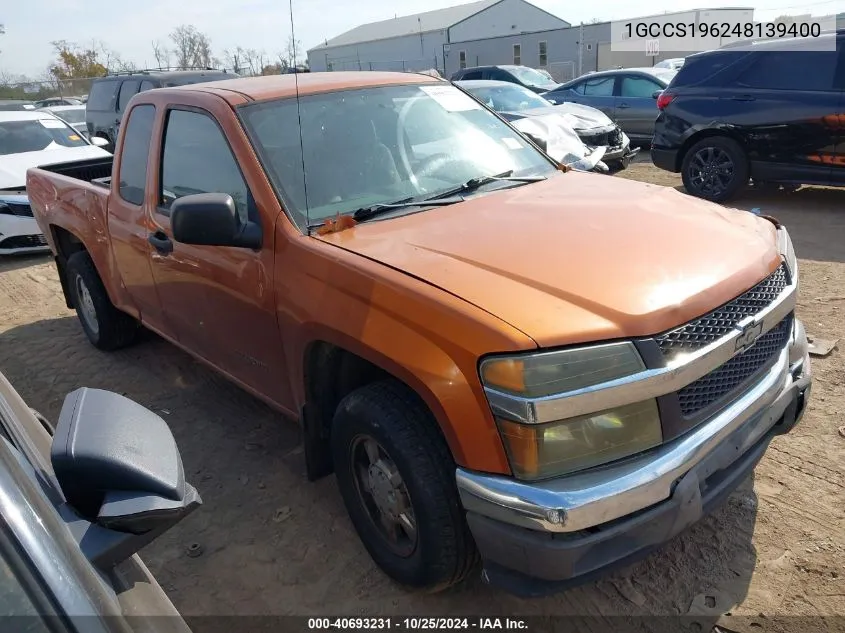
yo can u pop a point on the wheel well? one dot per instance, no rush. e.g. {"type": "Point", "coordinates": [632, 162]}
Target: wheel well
{"type": "Point", "coordinates": [330, 374]}
{"type": "Point", "coordinates": [698, 136]}
{"type": "Point", "coordinates": [66, 245]}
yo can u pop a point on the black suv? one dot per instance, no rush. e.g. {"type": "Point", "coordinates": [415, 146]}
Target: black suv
{"type": "Point", "coordinates": [770, 111]}
{"type": "Point", "coordinates": [109, 95]}
{"type": "Point", "coordinates": [524, 76]}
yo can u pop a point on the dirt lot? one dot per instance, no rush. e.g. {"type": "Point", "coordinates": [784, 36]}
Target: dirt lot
{"type": "Point", "coordinates": [274, 544]}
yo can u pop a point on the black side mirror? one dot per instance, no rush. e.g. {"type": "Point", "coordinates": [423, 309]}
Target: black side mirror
{"type": "Point", "coordinates": [211, 219]}
{"type": "Point", "coordinates": [656, 94]}
{"type": "Point", "coordinates": [121, 474]}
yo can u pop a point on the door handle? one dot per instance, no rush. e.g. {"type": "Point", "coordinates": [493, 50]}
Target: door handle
{"type": "Point", "coordinates": [743, 98]}
{"type": "Point", "coordinates": [161, 242]}
{"type": "Point", "coordinates": [622, 106]}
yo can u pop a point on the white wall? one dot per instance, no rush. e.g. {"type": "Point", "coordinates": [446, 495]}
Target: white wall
{"type": "Point", "coordinates": [504, 18]}
{"type": "Point", "coordinates": [388, 54]}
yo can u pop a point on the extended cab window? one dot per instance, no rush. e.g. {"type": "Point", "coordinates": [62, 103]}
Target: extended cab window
{"type": "Point", "coordinates": [136, 150]}
{"type": "Point", "coordinates": [790, 70]}
{"type": "Point", "coordinates": [197, 159]}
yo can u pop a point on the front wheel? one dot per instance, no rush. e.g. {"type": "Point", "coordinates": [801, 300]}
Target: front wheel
{"type": "Point", "coordinates": [715, 169]}
{"type": "Point", "coordinates": [397, 480]}
{"type": "Point", "coordinates": [105, 326]}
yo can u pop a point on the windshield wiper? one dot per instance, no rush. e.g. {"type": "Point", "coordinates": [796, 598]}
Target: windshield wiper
{"type": "Point", "coordinates": [475, 183]}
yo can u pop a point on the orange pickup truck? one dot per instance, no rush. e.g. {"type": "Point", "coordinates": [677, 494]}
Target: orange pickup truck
{"type": "Point", "coordinates": [551, 371]}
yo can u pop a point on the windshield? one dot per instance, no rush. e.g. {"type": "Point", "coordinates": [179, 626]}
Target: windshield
{"type": "Point", "coordinates": [71, 115]}
{"type": "Point", "coordinates": [17, 137]}
{"type": "Point", "coordinates": [510, 98]}
{"type": "Point", "coordinates": [531, 77]}
{"type": "Point", "coordinates": [379, 145]}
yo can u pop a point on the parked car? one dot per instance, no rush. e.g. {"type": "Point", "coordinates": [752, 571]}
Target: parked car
{"type": "Point", "coordinates": [109, 95]}
{"type": "Point", "coordinates": [15, 105]}
{"type": "Point", "coordinates": [73, 115]}
{"type": "Point", "coordinates": [628, 96]}
{"type": "Point", "coordinates": [30, 138]}
{"type": "Point", "coordinates": [78, 500]}
{"type": "Point", "coordinates": [675, 63]}
{"type": "Point", "coordinates": [558, 370]}
{"type": "Point", "coordinates": [592, 126]}
{"type": "Point", "coordinates": [763, 111]}
{"type": "Point", "coordinates": [523, 76]}
{"type": "Point", "coordinates": [57, 101]}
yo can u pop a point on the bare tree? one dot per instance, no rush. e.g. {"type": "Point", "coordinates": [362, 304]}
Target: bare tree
{"type": "Point", "coordinates": [254, 61]}
{"type": "Point", "coordinates": [161, 54]}
{"type": "Point", "coordinates": [234, 59]}
{"type": "Point", "coordinates": [191, 48]}
{"type": "Point", "coordinates": [292, 50]}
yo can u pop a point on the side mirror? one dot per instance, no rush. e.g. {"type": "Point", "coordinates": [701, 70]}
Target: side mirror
{"type": "Point", "coordinates": [99, 141]}
{"type": "Point", "coordinates": [121, 474]}
{"type": "Point", "coordinates": [211, 219]}
{"type": "Point", "coordinates": [656, 94]}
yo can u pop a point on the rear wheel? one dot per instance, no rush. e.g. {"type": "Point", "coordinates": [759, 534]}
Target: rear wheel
{"type": "Point", "coordinates": [397, 479]}
{"type": "Point", "coordinates": [715, 169]}
{"type": "Point", "coordinates": [105, 326]}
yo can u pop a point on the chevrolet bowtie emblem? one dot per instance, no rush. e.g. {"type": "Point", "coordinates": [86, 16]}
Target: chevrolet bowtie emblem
{"type": "Point", "coordinates": [749, 335]}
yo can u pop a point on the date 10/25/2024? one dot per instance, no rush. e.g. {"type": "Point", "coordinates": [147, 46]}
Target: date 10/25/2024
{"type": "Point", "coordinates": [417, 623]}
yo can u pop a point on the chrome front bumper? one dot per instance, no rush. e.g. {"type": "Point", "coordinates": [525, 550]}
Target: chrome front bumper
{"type": "Point", "coordinates": [597, 496]}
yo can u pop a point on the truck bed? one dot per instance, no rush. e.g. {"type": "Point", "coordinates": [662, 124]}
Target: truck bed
{"type": "Point", "coordinates": [97, 171]}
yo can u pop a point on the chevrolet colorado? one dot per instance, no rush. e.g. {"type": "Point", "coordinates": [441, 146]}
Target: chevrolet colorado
{"type": "Point", "coordinates": [498, 358]}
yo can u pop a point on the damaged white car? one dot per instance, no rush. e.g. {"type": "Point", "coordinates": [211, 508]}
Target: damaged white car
{"type": "Point", "coordinates": [31, 139]}
{"type": "Point", "coordinates": [593, 127]}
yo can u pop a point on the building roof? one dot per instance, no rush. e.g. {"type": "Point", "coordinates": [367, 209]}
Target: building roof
{"type": "Point", "coordinates": [438, 20]}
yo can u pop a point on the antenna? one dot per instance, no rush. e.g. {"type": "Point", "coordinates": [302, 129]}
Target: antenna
{"type": "Point", "coordinates": [299, 116]}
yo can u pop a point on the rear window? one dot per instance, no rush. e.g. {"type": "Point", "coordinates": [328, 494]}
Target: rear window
{"type": "Point", "coordinates": [698, 69]}
{"type": "Point", "coordinates": [101, 96]}
{"type": "Point", "coordinates": [17, 137]}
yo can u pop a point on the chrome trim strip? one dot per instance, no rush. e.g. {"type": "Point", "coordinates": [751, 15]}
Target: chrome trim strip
{"type": "Point", "coordinates": [651, 383]}
{"type": "Point", "coordinates": [599, 495]}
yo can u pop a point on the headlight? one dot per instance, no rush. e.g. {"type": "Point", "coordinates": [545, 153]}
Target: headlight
{"type": "Point", "coordinates": [539, 451]}
{"type": "Point", "coordinates": [549, 373]}
{"type": "Point", "coordinates": [553, 448]}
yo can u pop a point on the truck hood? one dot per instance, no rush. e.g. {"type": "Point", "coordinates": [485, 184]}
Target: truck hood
{"type": "Point", "coordinates": [579, 257]}
{"type": "Point", "coordinates": [13, 166]}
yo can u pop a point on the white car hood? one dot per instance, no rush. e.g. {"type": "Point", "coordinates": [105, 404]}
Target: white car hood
{"type": "Point", "coordinates": [13, 166]}
{"type": "Point", "coordinates": [580, 117]}
{"type": "Point", "coordinates": [562, 142]}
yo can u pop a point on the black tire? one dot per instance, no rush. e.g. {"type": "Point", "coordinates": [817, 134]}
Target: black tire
{"type": "Point", "coordinates": [389, 413]}
{"type": "Point", "coordinates": [707, 161]}
{"type": "Point", "coordinates": [111, 329]}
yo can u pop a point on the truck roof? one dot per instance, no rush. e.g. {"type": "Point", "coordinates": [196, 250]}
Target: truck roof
{"type": "Point", "coordinates": [279, 86]}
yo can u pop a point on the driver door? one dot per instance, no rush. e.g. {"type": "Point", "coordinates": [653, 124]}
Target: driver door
{"type": "Point", "coordinates": [220, 301]}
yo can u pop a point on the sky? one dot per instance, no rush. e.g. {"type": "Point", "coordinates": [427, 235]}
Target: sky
{"type": "Point", "coordinates": [129, 28]}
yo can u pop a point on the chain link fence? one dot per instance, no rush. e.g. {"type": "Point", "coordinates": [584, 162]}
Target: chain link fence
{"type": "Point", "coordinates": [562, 72]}
{"type": "Point", "coordinates": [39, 90]}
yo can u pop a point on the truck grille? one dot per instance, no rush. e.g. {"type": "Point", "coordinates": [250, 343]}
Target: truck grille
{"type": "Point", "coordinates": [23, 241]}
{"type": "Point", "coordinates": [20, 209]}
{"type": "Point", "coordinates": [737, 371]}
{"type": "Point", "coordinates": [711, 327]}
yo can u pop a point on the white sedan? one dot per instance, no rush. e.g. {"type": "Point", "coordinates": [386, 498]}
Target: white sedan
{"type": "Point", "coordinates": [30, 139]}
